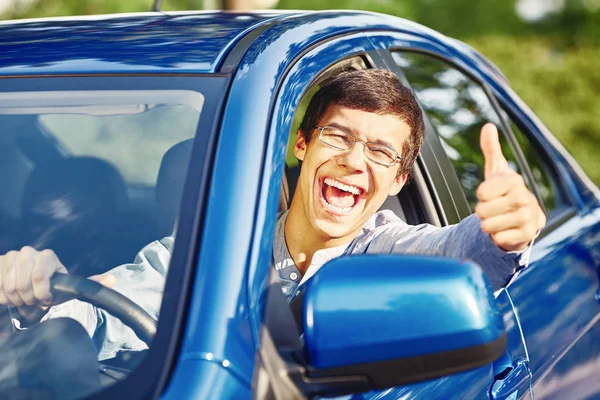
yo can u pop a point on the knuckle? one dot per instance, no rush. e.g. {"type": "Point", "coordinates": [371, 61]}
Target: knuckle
{"type": "Point", "coordinates": [517, 180]}
{"type": "Point", "coordinates": [29, 301]}
{"type": "Point", "coordinates": [520, 201]}
{"type": "Point", "coordinates": [38, 275]}
{"type": "Point", "coordinates": [22, 257]}
{"type": "Point", "coordinates": [47, 255]}
{"type": "Point", "coordinates": [6, 261]}
{"type": "Point", "coordinates": [481, 192]}
{"type": "Point", "coordinates": [479, 208]}
{"type": "Point", "coordinates": [485, 226]}
{"type": "Point", "coordinates": [23, 287]}
{"type": "Point", "coordinates": [524, 215]}
{"type": "Point", "coordinates": [498, 238]}
{"type": "Point", "coordinates": [27, 249]}
{"type": "Point", "coordinates": [10, 256]}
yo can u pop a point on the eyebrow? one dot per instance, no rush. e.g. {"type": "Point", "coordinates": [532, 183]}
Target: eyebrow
{"type": "Point", "coordinates": [351, 131]}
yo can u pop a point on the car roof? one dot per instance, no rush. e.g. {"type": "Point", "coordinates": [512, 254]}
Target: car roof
{"type": "Point", "coordinates": [174, 43]}
{"type": "Point", "coordinates": [152, 42]}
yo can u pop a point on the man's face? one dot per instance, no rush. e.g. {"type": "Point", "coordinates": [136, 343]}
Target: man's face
{"type": "Point", "coordinates": [338, 191]}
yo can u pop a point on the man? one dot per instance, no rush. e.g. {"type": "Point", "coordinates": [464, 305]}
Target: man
{"type": "Point", "coordinates": [357, 143]}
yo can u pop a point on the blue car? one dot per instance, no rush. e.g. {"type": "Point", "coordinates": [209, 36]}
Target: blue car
{"type": "Point", "coordinates": [171, 130]}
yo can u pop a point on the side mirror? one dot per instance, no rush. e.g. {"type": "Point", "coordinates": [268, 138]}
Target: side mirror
{"type": "Point", "coordinates": [397, 320]}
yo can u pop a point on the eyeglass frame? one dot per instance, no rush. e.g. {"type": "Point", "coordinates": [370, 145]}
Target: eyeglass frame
{"type": "Point", "coordinates": [364, 143]}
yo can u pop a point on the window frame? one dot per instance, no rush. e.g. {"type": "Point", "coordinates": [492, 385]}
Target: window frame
{"type": "Point", "coordinates": [155, 369]}
{"type": "Point", "coordinates": [562, 213]}
{"type": "Point", "coordinates": [419, 206]}
{"type": "Point", "coordinates": [459, 196]}
{"type": "Point", "coordinates": [423, 203]}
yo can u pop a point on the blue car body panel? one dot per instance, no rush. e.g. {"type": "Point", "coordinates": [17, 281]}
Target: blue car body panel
{"type": "Point", "coordinates": [151, 43]}
{"type": "Point", "coordinates": [552, 301]}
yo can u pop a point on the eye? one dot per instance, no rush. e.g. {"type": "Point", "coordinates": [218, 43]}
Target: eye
{"type": "Point", "coordinates": [382, 153]}
{"type": "Point", "coordinates": [337, 137]}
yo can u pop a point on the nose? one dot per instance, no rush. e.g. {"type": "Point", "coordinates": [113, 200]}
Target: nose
{"type": "Point", "coordinates": [354, 159]}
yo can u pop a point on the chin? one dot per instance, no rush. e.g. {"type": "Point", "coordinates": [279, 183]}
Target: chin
{"type": "Point", "coordinates": [337, 229]}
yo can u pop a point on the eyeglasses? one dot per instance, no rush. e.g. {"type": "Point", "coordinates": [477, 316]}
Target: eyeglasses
{"type": "Point", "coordinates": [341, 140]}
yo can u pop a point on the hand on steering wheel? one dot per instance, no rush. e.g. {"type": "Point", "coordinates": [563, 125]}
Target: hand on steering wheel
{"type": "Point", "coordinates": [31, 279]}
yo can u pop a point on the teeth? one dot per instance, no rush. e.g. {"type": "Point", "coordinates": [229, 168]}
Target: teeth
{"type": "Point", "coordinates": [340, 210]}
{"type": "Point", "coordinates": [347, 188]}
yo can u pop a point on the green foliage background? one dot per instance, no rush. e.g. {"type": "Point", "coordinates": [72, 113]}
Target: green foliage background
{"type": "Point", "coordinates": [553, 63]}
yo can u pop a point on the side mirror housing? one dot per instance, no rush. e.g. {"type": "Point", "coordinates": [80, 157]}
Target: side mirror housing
{"type": "Point", "coordinates": [397, 320]}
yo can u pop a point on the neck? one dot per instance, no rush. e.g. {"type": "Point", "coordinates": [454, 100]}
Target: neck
{"type": "Point", "coordinates": [302, 240]}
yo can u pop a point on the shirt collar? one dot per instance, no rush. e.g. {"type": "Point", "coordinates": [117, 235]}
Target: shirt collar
{"type": "Point", "coordinates": [282, 258]}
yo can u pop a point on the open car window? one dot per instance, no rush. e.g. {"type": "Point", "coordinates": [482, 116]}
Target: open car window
{"type": "Point", "coordinates": [292, 170]}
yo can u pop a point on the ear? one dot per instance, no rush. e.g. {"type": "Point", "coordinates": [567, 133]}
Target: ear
{"type": "Point", "coordinates": [300, 146]}
{"type": "Point", "coordinates": [398, 183]}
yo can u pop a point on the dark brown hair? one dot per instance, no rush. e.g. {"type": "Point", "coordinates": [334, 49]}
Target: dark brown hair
{"type": "Point", "coordinates": [372, 90]}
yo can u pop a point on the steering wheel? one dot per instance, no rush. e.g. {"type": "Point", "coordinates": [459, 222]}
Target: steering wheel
{"type": "Point", "coordinates": [131, 314]}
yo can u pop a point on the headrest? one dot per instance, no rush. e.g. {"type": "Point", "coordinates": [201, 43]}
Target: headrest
{"type": "Point", "coordinates": [74, 187]}
{"type": "Point", "coordinates": [169, 185]}
{"type": "Point", "coordinates": [170, 182]}
{"type": "Point", "coordinates": [74, 206]}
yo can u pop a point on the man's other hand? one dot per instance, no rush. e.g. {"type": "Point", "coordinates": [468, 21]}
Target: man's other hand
{"type": "Point", "coordinates": [508, 211]}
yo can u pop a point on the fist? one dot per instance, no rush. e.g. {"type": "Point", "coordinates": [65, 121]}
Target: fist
{"type": "Point", "coordinates": [25, 276]}
{"type": "Point", "coordinates": [508, 211]}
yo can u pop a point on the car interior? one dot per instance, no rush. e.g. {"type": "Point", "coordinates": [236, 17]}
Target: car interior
{"type": "Point", "coordinates": [95, 220]}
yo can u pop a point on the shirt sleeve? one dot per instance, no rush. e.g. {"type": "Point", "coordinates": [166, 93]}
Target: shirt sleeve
{"type": "Point", "coordinates": [464, 240]}
{"type": "Point", "coordinates": [141, 281]}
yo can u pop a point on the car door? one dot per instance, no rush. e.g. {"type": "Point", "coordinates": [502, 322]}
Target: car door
{"type": "Point", "coordinates": [428, 186]}
{"type": "Point", "coordinates": [555, 298]}
{"type": "Point", "coordinates": [454, 97]}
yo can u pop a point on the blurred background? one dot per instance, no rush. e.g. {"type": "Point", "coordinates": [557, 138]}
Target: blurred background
{"type": "Point", "coordinates": [548, 49]}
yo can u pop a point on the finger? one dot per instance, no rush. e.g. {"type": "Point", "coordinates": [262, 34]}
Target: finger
{"type": "Point", "coordinates": [5, 261]}
{"type": "Point", "coordinates": [498, 186]}
{"type": "Point", "coordinates": [494, 160]}
{"type": "Point", "coordinates": [46, 265]}
{"type": "Point", "coordinates": [541, 219]}
{"type": "Point", "coordinates": [9, 282]}
{"type": "Point", "coordinates": [107, 280]}
{"type": "Point", "coordinates": [523, 218]}
{"type": "Point", "coordinates": [511, 201]}
{"type": "Point", "coordinates": [23, 267]}
{"type": "Point", "coordinates": [512, 239]}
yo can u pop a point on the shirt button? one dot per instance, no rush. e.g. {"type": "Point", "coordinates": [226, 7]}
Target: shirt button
{"type": "Point", "coordinates": [293, 276]}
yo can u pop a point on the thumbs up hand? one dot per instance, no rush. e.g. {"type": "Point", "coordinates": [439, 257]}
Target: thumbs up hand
{"type": "Point", "coordinates": [508, 211]}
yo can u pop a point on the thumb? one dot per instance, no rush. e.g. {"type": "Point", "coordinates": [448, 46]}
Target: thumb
{"type": "Point", "coordinates": [107, 280]}
{"type": "Point", "coordinates": [492, 152]}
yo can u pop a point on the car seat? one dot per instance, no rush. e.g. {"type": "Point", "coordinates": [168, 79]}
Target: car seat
{"type": "Point", "coordinates": [170, 183]}
{"type": "Point", "coordinates": [169, 186]}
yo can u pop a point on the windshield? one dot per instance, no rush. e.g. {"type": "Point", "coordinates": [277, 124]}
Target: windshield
{"type": "Point", "coordinates": [91, 187]}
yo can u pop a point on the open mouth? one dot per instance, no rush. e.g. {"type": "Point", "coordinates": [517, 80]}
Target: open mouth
{"type": "Point", "coordinates": [338, 197]}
